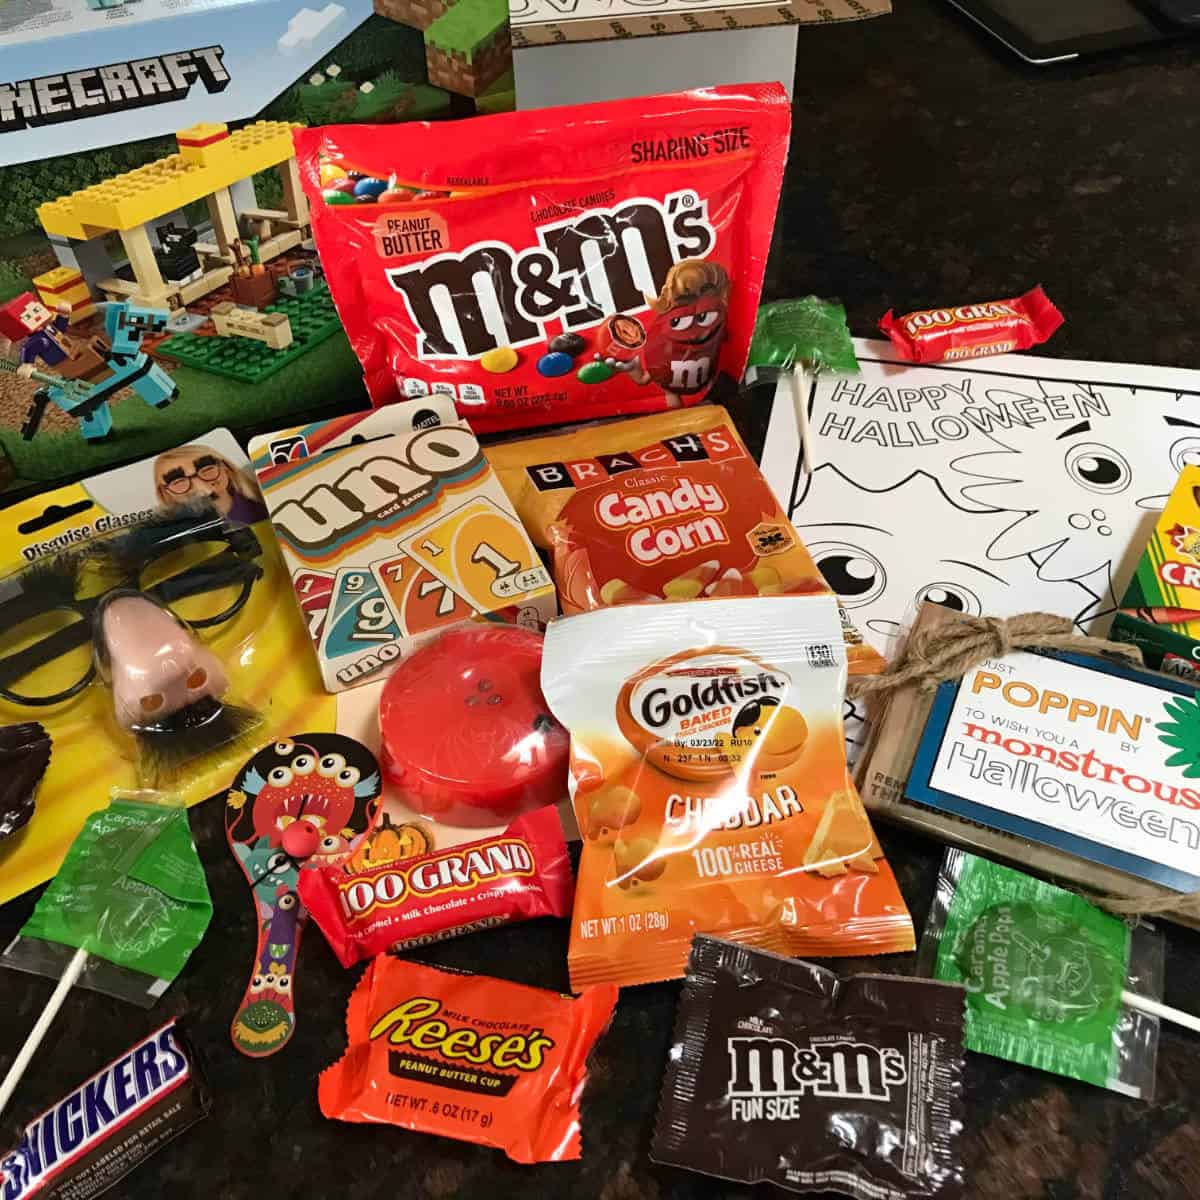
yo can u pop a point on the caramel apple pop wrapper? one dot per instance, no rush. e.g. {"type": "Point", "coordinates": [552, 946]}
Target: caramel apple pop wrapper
{"type": "Point", "coordinates": [1052, 981]}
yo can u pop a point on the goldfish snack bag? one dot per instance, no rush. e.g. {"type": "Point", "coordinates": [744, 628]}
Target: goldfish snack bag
{"type": "Point", "coordinates": [669, 506]}
{"type": "Point", "coordinates": [468, 1057]}
{"type": "Point", "coordinates": [555, 265]}
{"type": "Point", "coordinates": [709, 779]}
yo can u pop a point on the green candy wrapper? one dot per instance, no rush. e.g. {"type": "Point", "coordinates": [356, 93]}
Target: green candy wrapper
{"type": "Point", "coordinates": [131, 892]}
{"type": "Point", "coordinates": [1044, 971]}
{"type": "Point", "coordinates": [810, 332]}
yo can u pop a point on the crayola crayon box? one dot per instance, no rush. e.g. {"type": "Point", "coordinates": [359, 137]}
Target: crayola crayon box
{"type": "Point", "coordinates": [395, 528]}
{"type": "Point", "coordinates": [1161, 608]}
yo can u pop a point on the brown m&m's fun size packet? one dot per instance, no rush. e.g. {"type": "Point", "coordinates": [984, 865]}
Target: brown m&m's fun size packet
{"type": "Point", "coordinates": [782, 1072]}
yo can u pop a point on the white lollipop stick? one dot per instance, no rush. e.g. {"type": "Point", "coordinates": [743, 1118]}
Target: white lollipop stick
{"type": "Point", "coordinates": [1151, 1007]}
{"type": "Point", "coordinates": [43, 1023]}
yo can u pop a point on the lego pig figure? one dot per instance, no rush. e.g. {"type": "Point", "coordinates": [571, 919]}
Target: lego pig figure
{"type": "Point", "coordinates": [684, 332]}
{"type": "Point", "coordinates": [157, 668]}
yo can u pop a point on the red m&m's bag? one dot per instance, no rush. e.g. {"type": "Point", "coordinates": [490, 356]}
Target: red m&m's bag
{"type": "Point", "coordinates": [555, 265]}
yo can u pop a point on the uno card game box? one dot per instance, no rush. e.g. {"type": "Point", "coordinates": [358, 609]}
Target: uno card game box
{"type": "Point", "coordinates": [395, 528]}
{"type": "Point", "coordinates": [1160, 611]}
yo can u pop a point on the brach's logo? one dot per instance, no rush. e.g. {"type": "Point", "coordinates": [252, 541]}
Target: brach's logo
{"type": "Point", "coordinates": [602, 262]}
{"type": "Point", "coordinates": [415, 1024]}
{"type": "Point", "coordinates": [768, 1075]}
{"type": "Point", "coordinates": [698, 714]}
{"type": "Point", "coordinates": [389, 886]}
{"type": "Point", "coordinates": [963, 315]}
{"type": "Point", "coordinates": [376, 489]}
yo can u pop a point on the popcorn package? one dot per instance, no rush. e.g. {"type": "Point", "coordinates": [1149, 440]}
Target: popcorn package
{"type": "Point", "coordinates": [709, 779]}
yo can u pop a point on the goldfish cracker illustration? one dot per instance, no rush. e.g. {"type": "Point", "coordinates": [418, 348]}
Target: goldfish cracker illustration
{"type": "Point", "coordinates": [709, 779]}
{"type": "Point", "coordinates": [839, 841]}
{"type": "Point", "coordinates": [667, 507]}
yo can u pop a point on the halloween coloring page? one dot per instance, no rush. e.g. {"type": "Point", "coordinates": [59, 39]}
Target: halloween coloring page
{"type": "Point", "coordinates": [1019, 484]}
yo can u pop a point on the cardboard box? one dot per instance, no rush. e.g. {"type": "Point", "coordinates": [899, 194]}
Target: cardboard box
{"type": "Point", "coordinates": [572, 51]}
{"type": "Point", "coordinates": [395, 528]}
{"type": "Point", "coordinates": [146, 161]}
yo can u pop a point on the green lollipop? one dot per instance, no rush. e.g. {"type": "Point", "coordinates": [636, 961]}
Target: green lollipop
{"type": "Point", "coordinates": [810, 332]}
{"type": "Point", "coordinates": [1018, 959]}
{"type": "Point", "coordinates": [1045, 971]}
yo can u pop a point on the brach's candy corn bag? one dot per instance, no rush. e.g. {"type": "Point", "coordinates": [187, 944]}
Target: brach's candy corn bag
{"type": "Point", "coordinates": [552, 266]}
{"type": "Point", "coordinates": [708, 774]}
{"type": "Point", "coordinates": [467, 1057]}
{"type": "Point", "coordinates": [665, 507]}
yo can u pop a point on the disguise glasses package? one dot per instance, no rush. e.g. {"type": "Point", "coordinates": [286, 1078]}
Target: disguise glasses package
{"type": "Point", "coordinates": [143, 625]}
{"type": "Point", "coordinates": [127, 609]}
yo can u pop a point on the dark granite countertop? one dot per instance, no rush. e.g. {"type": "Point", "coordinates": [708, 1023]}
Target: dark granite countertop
{"type": "Point", "coordinates": [926, 168]}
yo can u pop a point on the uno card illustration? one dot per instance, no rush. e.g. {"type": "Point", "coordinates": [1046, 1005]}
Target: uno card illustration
{"type": "Point", "coordinates": [313, 590]}
{"type": "Point", "coordinates": [482, 547]}
{"type": "Point", "coordinates": [421, 599]}
{"type": "Point", "coordinates": [359, 618]}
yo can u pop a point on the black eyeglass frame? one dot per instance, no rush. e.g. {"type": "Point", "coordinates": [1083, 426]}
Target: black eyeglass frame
{"type": "Point", "coordinates": [235, 564]}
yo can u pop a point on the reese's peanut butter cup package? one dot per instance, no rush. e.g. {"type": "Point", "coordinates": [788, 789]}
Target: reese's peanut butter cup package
{"type": "Point", "coordinates": [708, 774]}
{"type": "Point", "coordinates": [467, 1057]}
{"type": "Point", "coordinates": [782, 1072]}
{"type": "Point", "coordinates": [552, 266]}
{"type": "Point", "coordinates": [665, 507]}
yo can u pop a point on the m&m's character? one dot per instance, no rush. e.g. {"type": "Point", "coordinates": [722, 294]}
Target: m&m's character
{"type": "Point", "coordinates": [684, 332]}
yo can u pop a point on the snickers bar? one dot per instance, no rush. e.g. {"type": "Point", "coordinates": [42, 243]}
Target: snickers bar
{"type": "Point", "coordinates": [145, 1098]}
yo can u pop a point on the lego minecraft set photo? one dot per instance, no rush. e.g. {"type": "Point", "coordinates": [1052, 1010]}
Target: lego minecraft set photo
{"type": "Point", "coordinates": [157, 274]}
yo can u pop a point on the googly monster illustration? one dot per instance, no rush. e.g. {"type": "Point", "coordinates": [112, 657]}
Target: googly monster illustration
{"type": "Point", "coordinates": [885, 555]}
{"type": "Point", "coordinates": [1086, 493]}
{"type": "Point", "coordinates": [299, 802]}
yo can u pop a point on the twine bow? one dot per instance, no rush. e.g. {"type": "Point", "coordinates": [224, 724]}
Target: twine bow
{"type": "Point", "coordinates": [936, 654]}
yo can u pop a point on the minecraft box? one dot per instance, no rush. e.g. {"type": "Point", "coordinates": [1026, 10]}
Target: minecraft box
{"type": "Point", "coordinates": [157, 274]}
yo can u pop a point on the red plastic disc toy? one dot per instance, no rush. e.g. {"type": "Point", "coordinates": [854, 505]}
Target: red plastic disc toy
{"type": "Point", "coordinates": [467, 736]}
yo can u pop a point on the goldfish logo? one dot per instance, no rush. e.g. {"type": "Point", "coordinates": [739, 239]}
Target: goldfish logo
{"type": "Point", "coordinates": [706, 713]}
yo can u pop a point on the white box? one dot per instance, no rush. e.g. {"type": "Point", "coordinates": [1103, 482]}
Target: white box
{"type": "Point", "coordinates": [576, 51]}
